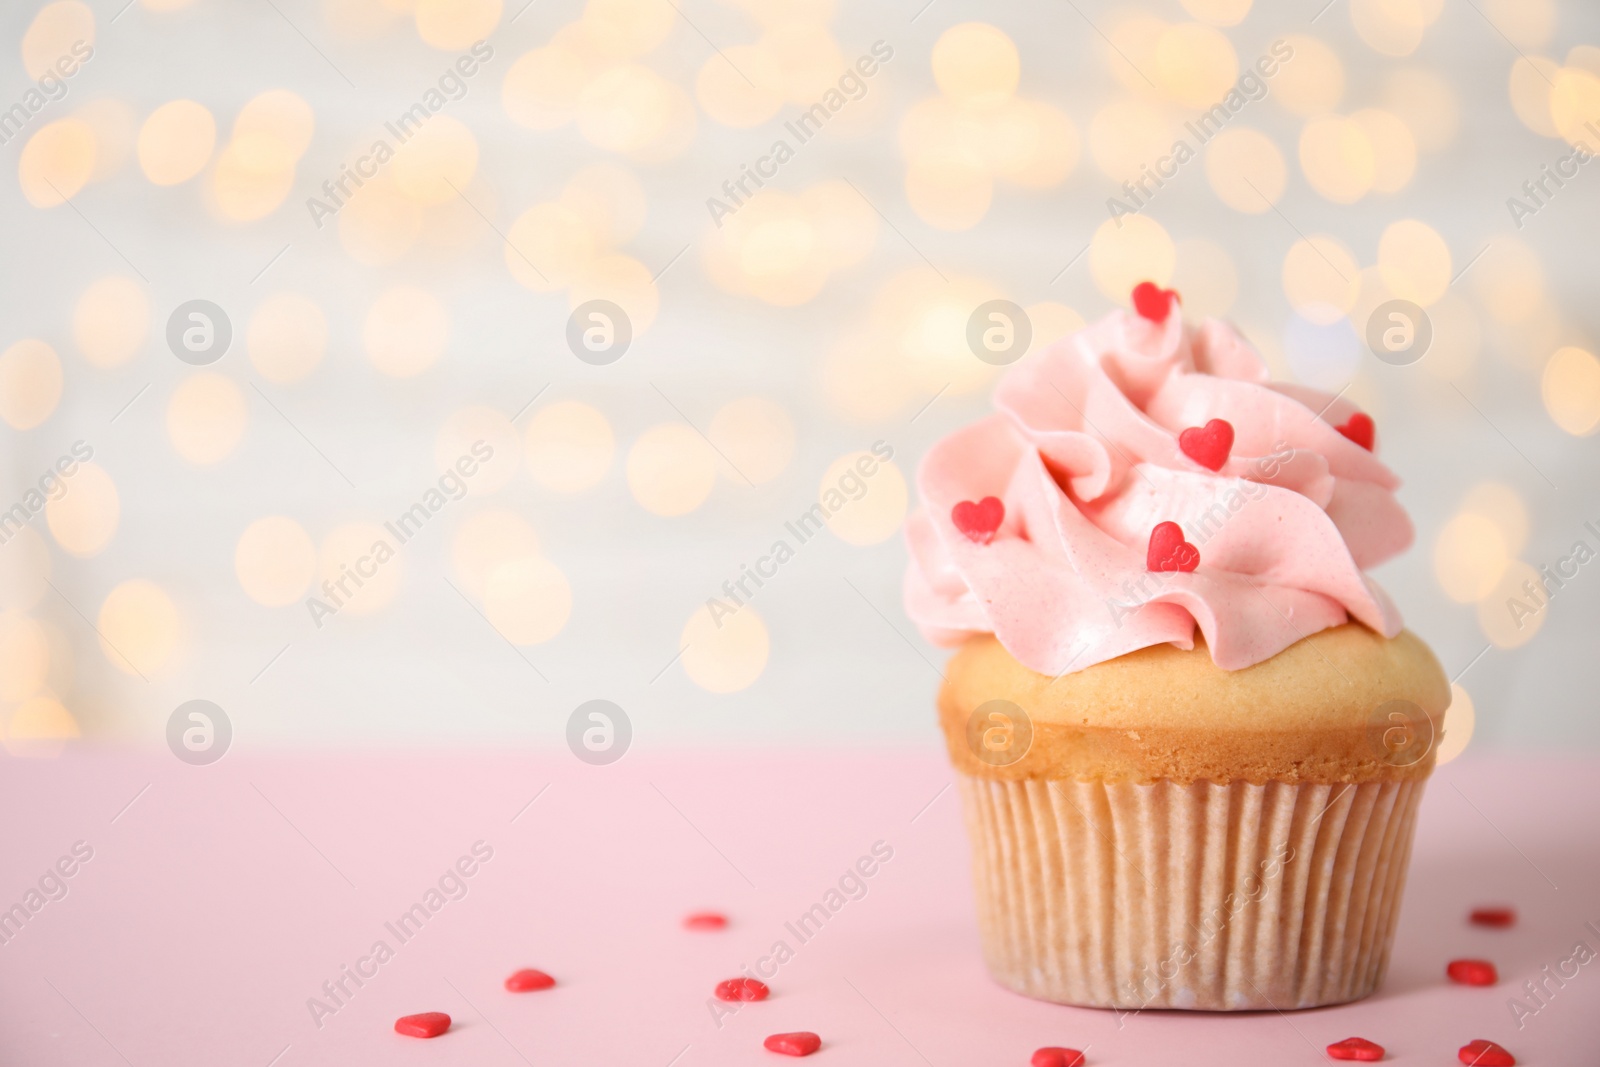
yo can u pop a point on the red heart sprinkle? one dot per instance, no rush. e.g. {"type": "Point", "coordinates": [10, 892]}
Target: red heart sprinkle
{"type": "Point", "coordinates": [706, 920]}
{"type": "Point", "coordinates": [1057, 1057]}
{"type": "Point", "coordinates": [1481, 1053]}
{"type": "Point", "coordinates": [1360, 429]}
{"type": "Point", "coordinates": [1168, 550]}
{"type": "Point", "coordinates": [1472, 972]}
{"type": "Point", "coordinates": [529, 980]}
{"type": "Point", "coordinates": [1153, 302]}
{"type": "Point", "coordinates": [742, 989]}
{"type": "Point", "coordinates": [799, 1043]}
{"type": "Point", "coordinates": [1208, 445]}
{"type": "Point", "coordinates": [1499, 917]}
{"type": "Point", "coordinates": [427, 1024]}
{"type": "Point", "coordinates": [979, 521]}
{"type": "Point", "coordinates": [1355, 1048]}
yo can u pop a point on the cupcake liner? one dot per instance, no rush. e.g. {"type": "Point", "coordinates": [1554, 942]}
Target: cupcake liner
{"type": "Point", "coordinates": [1210, 896]}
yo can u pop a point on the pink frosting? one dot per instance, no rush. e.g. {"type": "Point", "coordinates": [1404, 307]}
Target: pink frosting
{"type": "Point", "coordinates": [1084, 454]}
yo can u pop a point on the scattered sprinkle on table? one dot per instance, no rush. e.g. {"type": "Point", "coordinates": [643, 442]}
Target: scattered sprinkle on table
{"type": "Point", "coordinates": [425, 1024]}
{"type": "Point", "coordinates": [799, 1043]}
{"type": "Point", "coordinates": [1057, 1057]}
{"type": "Point", "coordinates": [1472, 972]}
{"type": "Point", "coordinates": [1481, 1053]}
{"type": "Point", "coordinates": [1496, 917]}
{"type": "Point", "coordinates": [706, 920]}
{"type": "Point", "coordinates": [742, 989]}
{"type": "Point", "coordinates": [529, 980]}
{"type": "Point", "coordinates": [1356, 1048]}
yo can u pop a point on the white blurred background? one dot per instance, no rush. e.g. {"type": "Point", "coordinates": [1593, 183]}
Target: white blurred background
{"type": "Point", "coordinates": [176, 162]}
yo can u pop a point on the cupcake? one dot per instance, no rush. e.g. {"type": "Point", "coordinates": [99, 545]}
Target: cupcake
{"type": "Point", "coordinates": [1191, 735]}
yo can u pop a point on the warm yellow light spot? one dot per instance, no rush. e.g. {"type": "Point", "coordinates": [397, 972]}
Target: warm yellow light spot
{"type": "Point", "coordinates": [1509, 280]}
{"type": "Point", "coordinates": [486, 540]}
{"type": "Point", "coordinates": [1513, 611]}
{"type": "Point", "coordinates": [111, 321]}
{"type": "Point", "coordinates": [1195, 64]}
{"type": "Point", "coordinates": [175, 141]}
{"type": "Point", "coordinates": [1321, 278]}
{"type": "Point", "coordinates": [274, 129]}
{"type": "Point", "coordinates": [40, 728]}
{"type": "Point", "coordinates": [1246, 170]}
{"type": "Point", "coordinates": [1394, 152]}
{"type": "Point", "coordinates": [275, 560]}
{"type": "Point", "coordinates": [1469, 557]}
{"type": "Point", "coordinates": [1501, 505]}
{"type": "Point", "coordinates": [286, 337]}
{"type": "Point", "coordinates": [671, 469]}
{"type": "Point", "coordinates": [455, 25]}
{"type": "Point", "coordinates": [359, 570]}
{"type": "Point", "coordinates": [482, 440]}
{"type": "Point", "coordinates": [844, 225]}
{"type": "Point", "coordinates": [56, 162]}
{"type": "Point", "coordinates": [1415, 261]}
{"type": "Point", "coordinates": [30, 383]}
{"type": "Point", "coordinates": [24, 570]}
{"type": "Point", "coordinates": [1032, 144]}
{"type": "Point", "coordinates": [569, 446]}
{"type": "Point", "coordinates": [58, 40]}
{"type": "Point", "coordinates": [976, 63]}
{"type": "Point", "coordinates": [206, 417]}
{"type": "Point", "coordinates": [1337, 158]}
{"type": "Point", "coordinates": [865, 378]}
{"type": "Point", "coordinates": [863, 498]}
{"type": "Point", "coordinates": [625, 109]}
{"type": "Point", "coordinates": [1051, 322]}
{"type": "Point", "coordinates": [1390, 27]}
{"type": "Point", "coordinates": [727, 653]}
{"type": "Point", "coordinates": [541, 88]}
{"type": "Point", "coordinates": [771, 250]}
{"type": "Point", "coordinates": [1532, 79]}
{"type": "Point", "coordinates": [165, 5]}
{"type": "Point", "coordinates": [406, 331]}
{"type": "Point", "coordinates": [1127, 136]}
{"type": "Point", "coordinates": [379, 223]}
{"type": "Point", "coordinates": [928, 320]}
{"type": "Point", "coordinates": [1131, 38]}
{"type": "Point", "coordinates": [1527, 24]}
{"type": "Point", "coordinates": [1571, 389]}
{"type": "Point", "coordinates": [244, 192]}
{"type": "Point", "coordinates": [622, 280]}
{"type": "Point", "coordinates": [24, 657]}
{"type": "Point", "coordinates": [948, 194]}
{"type": "Point", "coordinates": [437, 162]}
{"type": "Point", "coordinates": [1218, 12]}
{"type": "Point", "coordinates": [84, 519]}
{"type": "Point", "coordinates": [548, 246]}
{"type": "Point", "coordinates": [1427, 104]}
{"type": "Point", "coordinates": [808, 56]}
{"type": "Point", "coordinates": [1122, 257]}
{"type": "Point", "coordinates": [1206, 277]}
{"type": "Point", "coordinates": [756, 436]}
{"type": "Point", "coordinates": [1459, 722]}
{"type": "Point", "coordinates": [527, 599]}
{"type": "Point", "coordinates": [115, 126]}
{"type": "Point", "coordinates": [625, 29]}
{"type": "Point", "coordinates": [1310, 84]}
{"type": "Point", "coordinates": [742, 87]}
{"type": "Point", "coordinates": [139, 626]}
{"type": "Point", "coordinates": [1575, 107]}
{"type": "Point", "coordinates": [609, 200]}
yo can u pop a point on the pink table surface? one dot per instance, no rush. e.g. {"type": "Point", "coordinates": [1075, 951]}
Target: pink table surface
{"type": "Point", "coordinates": [219, 899]}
